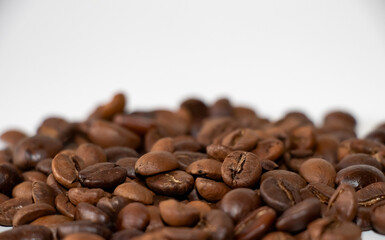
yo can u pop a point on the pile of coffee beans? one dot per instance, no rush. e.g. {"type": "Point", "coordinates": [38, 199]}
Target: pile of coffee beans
{"type": "Point", "coordinates": [201, 172]}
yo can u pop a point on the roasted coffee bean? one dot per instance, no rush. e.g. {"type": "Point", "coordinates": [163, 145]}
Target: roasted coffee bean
{"type": "Point", "coordinates": [171, 183]}
{"type": "Point", "coordinates": [86, 211]}
{"type": "Point", "coordinates": [126, 234]}
{"type": "Point", "coordinates": [5, 156]}
{"type": "Point", "coordinates": [239, 202]}
{"type": "Point", "coordinates": [34, 176]}
{"type": "Point", "coordinates": [186, 143]}
{"type": "Point", "coordinates": [211, 190]}
{"type": "Point", "coordinates": [108, 110]}
{"type": "Point", "coordinates": [9, 178]}
{"type": "Point", "coordinates": [64, 205]}
{"type": "Point", "coordinates": [241, 139]}
{"type": "Point", "coordinates": [29, 151]}
{"type": "Point", "coordinates": [270, 148]}
{"type": "Point", "coordinates": [318, 170]}
{"type": "Point", "coordinates": [178, 214]}
{"type": "Point", "coordinates": [65, 169]}
{"type": "Point", "coordinates": [211, 128]}
{"type": "Point", "coordinates": [186, 158]}
{"type": "Point", "coordinates": [328, 229]}
{"type": "Point", "coordinates": [12, 137]}
{"type": "Point", "coordinates": [113, 154]}
{"type": "Point", "coordinates": [268, 165]}
{"type": "Point", "coordinates": [155, 162]}
{"type": "Point", "coordinates": [81, 236]}
{"type": "Point", "coordinates": [56, 128]}
{"type": "Point", "coordinates": [371, 194]}
{"type": "Point", "coordinates": [28, 232]}
{"type": "Point", "coordinates": [327, 148]}
{"type": "Point", "coordinates": [3, 198]}
{"type": "Point", "coordinates": [356, 159]}
{"type": "Point", "coordinates": [207, 168]}
{"type": "Point", "coordinates": [136, 123]}
{"type": "Point", "coordinates": [22, 190]}
{"type": "Point", "coordinates": [303, 137]}
{"type": "Point", "coordinates": [57, 188]}
{"type": "Point", "coordinates": [133, 215]}
{"type": "Point", "coordinates": [256, 224]}
{"type": "Point", "coordinates": [9, 208]}
{"type": "Point", "coordinates": [218, 224]}
{"type": "Point", "coordinates": [112, 205]}
{"type": "Point", "coordinates": [221, 108]}
{"type": "Point", "coordinates": [51, 220]}
{"type": "Point", "coordinates": [31, 212]}
{"type": "Point", "coordinates": [107, 134]}
{"type": "Point", "coordinates": [82, 226]}
{"type": "Point", "coordinates": [217, 151]}
{"type": "Point", "coordinates": [128, 163]}
{"type": "Point", "coordinates": [43, 193]}
{"type": "Point", "coordinates": [89, 195]}
{"type": "Point", "coordinates": [103, 175]}
{"type": "Point", "coordinates": [175, 233]}
{"type": "Point", "coordinates": [296, 180]}
{"type": "Point", "coordinates": [278, 236]}
{"type": "Point", "coordinates": [343, 203]}
{"type": "Point", "coordinates": [319, 190]}
{"type": "Point", "coordinates": [44, 166]}
{"type": "Point", "coordinates": [135, 192]}
{"type": "Point", "coordinates": [279, 194]}
{"type": "Point", "coordinates": [359, 176]}
{"type": "Point", "coordinates": [378, 217]}
{"type": "Point", "coordinates": [241, 169]}
{"type": "Point", "coordinates": [297, 217]}
{"type": "Point", "coordinates": [155, 219]}
{"type": "Point", "coordinates": [164, 144]}
{"type": "Point", "coordinates": [362, 219]}
{"type": "Point", "coordinates": [91, 154]}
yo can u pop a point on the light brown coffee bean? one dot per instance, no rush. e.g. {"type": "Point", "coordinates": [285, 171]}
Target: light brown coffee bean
{"type": "Point", "coordinates": [31, 212]}
{"type": "Point", "coordinates": [64, 205]}
{"type": "Point", "coordinates": [89, 195]}
{"type": "Point", "coordinates": [211, 190]}
{"type": "Point", "coordinates": [43, 193]}
{"type": "Point", "coordinates": [91, 154]}
{"type": "Point", "coordinates": [156, 162]}
{"type": "Point", "coordinates": [86, 211]}
{"type": "Point", "coordinates": [207, 168]}
{"type": "Point", "coordinates": [51, 220]}
{"type": "Point", "coordinates": [135, 192]}
{"type": "Point", "coordinates": [133, 215]}
{"type": "Point", "coordinates": [65, 169]}
{"type": "Point", "coordinates": [22, 190]}
{"type": "Point", "coordinates": [9, 208]}
{"type": "Point", "coordinates": [318, 170]}
{"type": "Point", "coordinates": [175, 213]}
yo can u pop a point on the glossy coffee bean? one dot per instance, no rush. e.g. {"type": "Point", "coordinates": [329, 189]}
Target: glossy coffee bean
{"type": "Point", "coordinates": [241, 169]}
{"type": "Point", "coordinates": [178, 214]}
{"type": "Point", "coordinates": [320, 191]}
{"type": "Point", "coordinates": [207, 168]}
{"type": "Point", "coordinates": [28, 232]}
{"type": "Point", "coordinates": [31, 212]}
{"type": "Point", "coordinates": [343, 203]}
{"type": "Point", "coordinates": [86, 211]}
{"type": "Point", "coordinates": [65, 169]}
{"type": "Point", "coordinates": [211, 190]}
{"type": "Point", "coordinates": [357, 159]}
{"type": "Point", "coordinates": [91, 154]}
{"type": "Point", "coordinates": [156, 162]}
{"type": "Point", "coordinates": [218, 224]}
{"type": "Point", "coordinates": [9, 208]}
{"type": "Point", "coordinates": [102, 175]}
{"type": "Point", "coordinates": [328, 229]}
{"type": "Point", "coordinates": [9, 178]}
{"type": "Point", "coordinates": [133, 215]}
{"type": "Point", "coordinates": [51, 220]}
{"type": "Point", "coordinates": [359, 176]}
{"type": "Point", "coordinates": [318, 170]}
{"type": "Point", "coordinates": [371, 194]}
{"type": "Point", "coordinates": [171, 183]}
{"type": "Point", "coordinates": [164, 144]}
{"type": "Point", "coordinates": [295, 179]}
{"type": "Point", "coordinates": [135, 192]}
{"type": "Point", "coordinates": [89, 195]}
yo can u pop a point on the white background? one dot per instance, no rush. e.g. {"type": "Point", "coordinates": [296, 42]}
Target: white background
{"type": "Point", "coordinates": [64, 57]}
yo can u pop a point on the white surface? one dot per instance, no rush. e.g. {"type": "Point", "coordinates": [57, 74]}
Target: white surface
{"type": "Point", "coordinates": [64, 57]}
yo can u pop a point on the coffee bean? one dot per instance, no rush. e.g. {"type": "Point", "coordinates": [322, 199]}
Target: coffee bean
{"type": "Point", "coordinates": [211, 190]}
{"type": "Point", "coordinates": [9, 208]}
{"type": "Point", "coordinates": [218, 152]}
{"type": "Point", "coordinates": [65, 169]}
{"type": "Point", "coordinates": [164, 144]}
{"type": "Point", "coordinates": [64, 205]}
{"type": "Point", "coordinates": [155, 219]}
{"type": "Point", "coordinates": [9, 178]}
{"type": "Point", "coordinates": [356, 159]}
{"type": "Point", "coordinates": [57, 188]}
{"type": "Point", "coordinates": [318, 170]}
{"type": "Point", "coordinates": [89, 195]}
{"type": "Point", "coordinates": [241, 139]}
{"type": "Point", "coordinates": [239, 202]}
{"type": "Point", "coordinates": [112, 205]}
{"type": "Point", "coordinates": [56, 128]}
{"type": "Point", "coordinates": [319, 190]}
{"type": "Point", "coordinates": [270, 148]}
{"type": "Point", "coordinates": [359, 176]}
{"type": "Point", "coordinates": [296, 180]}
{"type": "Point", "coordinates": [268, 165]}
{"type": "Point", "coordinates": [12, 137]}
{"type": "Point", "coordinates": [186, 158]}
{"type": "Point", "coordinates": [155, 162]}
{"type": "Point", "coordinates": [29, 151]}
{"type": "Point", "coordinates": [175, 233]}
{"type": "Point", "coordinates": [186, 143]}
{"type": "Point", "coordinates": [171, 183]}
{"type": "Point", "coordinates": [137, 124]}
{"type": "Point", "coordinates": [371, 194]}
{"type": "Point", "coordinates": [327, 228]}
{"type": "Point", "coordinates": [22, 190]}
{"type": "Point", "coordinates": [128, 163]}
{"type": "Point", "coordinates": [108, 134]}
{"type": "Point", "coordinates": [278, 236]}
{"type": "Point", "coordinates": [135, 192]}
{"type": "Point", "coordinates": [51, 220]}
{"type": "Point", "coordinates": [103, 175]}
{"type": "Point", "coordinates": [91, 154]}
{"type": "Point", "coordinates": [113, 154]}
{"type": "Point", "coordinates": [81, 236]}
{"type": "Point", "coordinates": [303, 137]}
{"type": "Point", "coordinates": [297, 217]}
{"type": "Point", "coordinates": [178, 214]}
{"type": "Point", "coordinates": [256, 224]}
{"type": "Point", "coordinates": [207, 168]}
{"type": "Point", "coordinates": [327, 148]}
{"type": "Point", "coordinates": [279, 194]}
{"type": "Point", "coordinates": [343, 203]}
{"type": "Point", "coordinates": [241, 169]}
{"type": "Point", "coordinates": [362, 219]}
{"type": "Point", "coordinates": [34, 176]}
{"type": "Point", "coordinates": [43, 193]}
{"type": "Point", "coordinates": [133, 215]}
{"type": "Point", "coordinates": [28, 232]}
{"type": "Point", "coordinates": [218, 224]}
{"type": "Point", "coordinates": [126, 234]}
{"type": "Point", "coordinates": [45, 166]}
{"type": "Point", "coordinates": [82, 226]}
{"type": "Point", "coordinates": [31, 212]}
{"type": "Point", "coordinates": [108, 110]}
{"type": "Point", "coordinates": [86, 211]}
{"type": "Point", "coordinates": [212, 128]}
{"type": "Point", "coordinates": [3, 198]}
{"type": "Point", "coordinates": [201, 206]}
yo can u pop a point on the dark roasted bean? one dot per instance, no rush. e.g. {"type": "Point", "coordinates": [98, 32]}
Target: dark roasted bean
{"type": "Point", "coordinates": [359, 176]}
{"type": "Point", "coordinates": [102, 175]}
{"type": "Point", "coordinates": [171, 183]}
{"type": "Point", "coordinates": [133, 215]}
{"type": "Point", "coordinates": [28, 232]}
{"type": "Point", "coordinates": [343, 203]}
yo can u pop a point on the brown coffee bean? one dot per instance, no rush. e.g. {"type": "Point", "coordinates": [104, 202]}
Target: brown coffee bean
{"type": "Point", "coordinates": [108, 110]}
{"type": "Point", "coordinates": [128, 163]}
{"type": "Point", "coordinates": [318, 170]}
{"type": "Point", "coordinates": [164, 144]}
{"type": "Point", "coordinates": [186, 158]}
{"type": "Point", "coordinates": [5, 156]}
{"type": "Point", "coordinates": [34, 176]}
{"type": "Point", "coordinates": [218, 152]}
{"type": "Point", "coordinates": [175, 233]}
{"type": "Point", "coordinates": [238, 203]}
{"type": "Point", "coordinates": [212, 128]}
{"type": "Point", "coordinates": [359, 176]}
{"type": "Point", "coordinates": [9, 178]}
{"type": "Point", "coordinates": [256, 224]}
{"type": "Point", "coordinates": [278, 236]}
{"type": "Point", "coordinates": [103, 175]}
{"type": "Point", "coordinates": [295, 179]}
{"type": "Point", "coordinates": [107, 134]}
{"type": "Point", "coordinates": [126, 234]}
{"type": "Point", "coordinates": [207, 168]}
{"type": "Point", "coordinates": [86, 211]}
{"type": "Point", "coordinates": [241, 139]}
{"type": "Point", "coordinates": [356, 159]}
{"type": "Point", "coordinates": [45, 166]}
{"type": "Point", "coordinates": [201, 206]}
{"type": "Point", "coordinates": [65, 169]}
{"type": "Point", "coordinates": [340, 118]}
{"type": "Point", "coordinates": [303, 137]}
{"type": "Point", "coordinates": [268, 165]}
{"type": "Point", "coordinates": [82, 236]}
{"type": "Point", "coordinates": [43, 193]}
{"type": "Point", "coordinates": [91, 154]}
{"type": "Point", "coordinates": [362, 219]}
{"type": "Point", "coordinates": [31, 212]}
{"type": "Point", "coordinates": [218, 224]}
{"type": "Point", "coordinates": [9, 208]}
{"type": "Point", "coordinates": [113, 154]}
{"type": "Point", "coordinates": [171, 183]}
{"type": "Point", "coordinates": [133, 215]}
{"type": "Point", "coordinates": [343, 203]}
{"type": "Point", "coordinates": [56, 128]}
{"type": "Point", "coordinates": [270, 148]}
{"type": "Point", "coordinates": [155, 162]}
{"type": "Point", "coordinates": [371, 194]}
{"type": "Point", "coordinates": [112, 205]}
{"type": "Point", "coordinates": [57, 188]}
{"type": "Point", "coordinates": [211, 190]}
{"type": "Point", "coordinates": [29, 151]}
{"type": "Point", "coordinates": [318, 190]}
{"type": "Point", "coordinates": [12, 137]}
{"type": "Point", "coordinates": [89, 195]}
{"type": "Point", "coordinates": [82, 226]}
{"type": "Point", "coordinates": [328, 229]}
{"type": "Point", "coordinates": [377, 217]}
{"type": "Point", "coordinates": [241, 169]}
{"type": "Point", "coordinates": [28, 232]}
{"type": "Point", "coordinates": [51, 220]}
{"type": "Point", "coordinates": [22, 190]}
{"type": "Point", "coordinates": [327, 148]}
{"type": "Point", "coordinates": [178, 214]}
{"type": "Point", "coordinates": [279, 194]}
{"type": "Point", "coordinates": [64, 205]}
{"type": "Point", "coordinates": [3, 198]}
{"type": "Point", "coordinates": [135, 192]}
{"type": "Point", "coordinates": [155, 219]}
{"type": "Point", "coordinates": [138, 124]}
{"type": "Point", "coordinates": [186, 143]}
{"type": "Point", "coordinates": [297, 217]}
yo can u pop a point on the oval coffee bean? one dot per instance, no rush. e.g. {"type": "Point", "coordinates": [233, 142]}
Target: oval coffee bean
{"type": "Point", "coordinates": [270, 148]}
{"type": "Point", "coordinates": [362, 219]}
{"type": "Point", "coordinates": [126, 234]}
{"type": "Point", "coordinates": [295, 179]}
{"type": "Point", "coordinates": [278, 236]}
{"type": "Point", "coordinates": [343, 204]}
{"type": "Point", "coordinates": [371, 194]}
{"type": "Point", "coordinates": [12, 137]}
{"type": "Point", "coordinates": [163, 144]}
{"type": "Point", "coordinates": [128, 163]}
{"type": "Point", "coordinates": [239, 202]}
{"type": "Point", "coordinates": [378, 217]}
{"type": "Point", "coordinates": [218, 224]}
{"type": "Point", "coordinates": [89, 195]}
{"type": "Point", "coordinates": [86, 211]}
{"type": "Point", "coordinates": [241, 139]}
{"type": "Point", "coordinates": [31, 212]}
{"type": "Point", "coordinates": [171, 183]}
{"type": "Point", "coordinates": [102, 175]}
{"type": "Point", "coordinates": [156, 162]}
{"type": "Point", "coordinates": [135, 192]}
{"type": "Point", "coordinates": [29, 151]}
{"type": "Point", "coordinates": [134, 215]}
{"type": "Point", "coordinates": [113, 154]}
{"type": "Point", "coordinates": [359, 176]}
{"type": "Point", "coordinates": [51, 220]}
{"type": "Point", "coordinates": [241, 169]}
{"type": "Point", "coordinates": [22, 190]}
{"type": "Point", "coordinates": [34, 176]}
{"type": "Point", "coordinates": [185, 158]}
{"type": "Point", "coordinates": [112, 205]}
{"type": "Point", "coordinates": [9, 208]}
{"type": "Point", "coordinates": [45, 166]}
{"type": "Point", "coordinates": [43, 193]}
{"type": "Point", "coordinates": [211, 190]}
{"type": "Point", "coordinates": [91, 154]}
{"type": "Point", "coordinates": [297, 217]}
{"type": "Point", "coordinates": [326, 228]}
{"type": "Point", "coordinates": [319, 190]}
{"type": "Point", "coordinates": [82, 236]}
{"type": "Point", "coordinates": [218, 152]}
{"type": "Point", "coordinates": [65, 169]}
{"type": "Point", "coordinates": [318, 170]}
{"type": "Point", "coordinates": [357, 159]}
{"type": "Point", "coordinates": [9, 178]}
{"type": "Point", "coordinates": [207, 168]}
{"type": "Point", "coordinates": [83, 226]}
{"type": "Point", "coordinates": [155, 219]}
{"type": "Point", "coordinates": [28, 232]}
{"type": "Point", "coordinates": [256, 224]}
{"type": "Point", "coordinates": [64, 205]}
{"type": "Point", "coordinates": [178, 214]}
